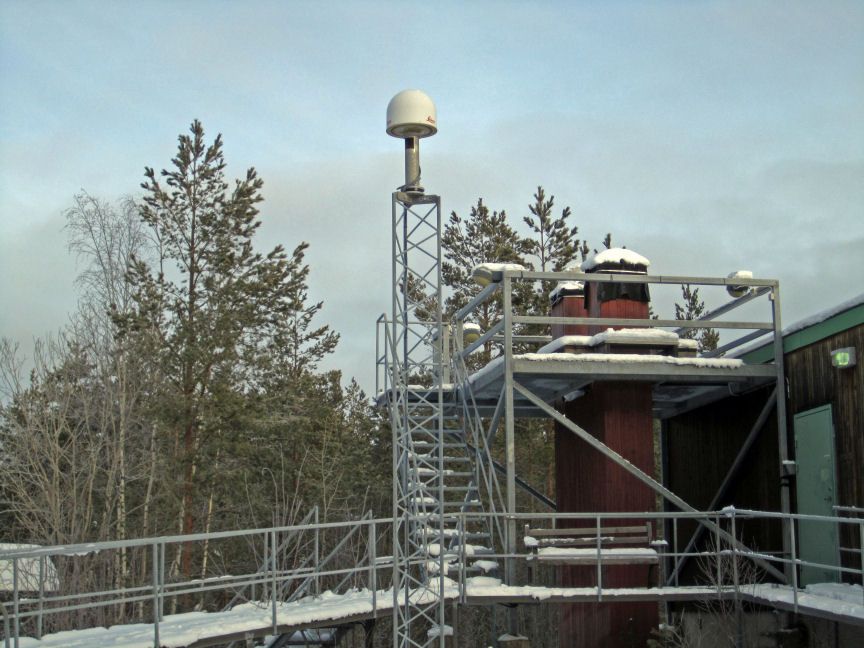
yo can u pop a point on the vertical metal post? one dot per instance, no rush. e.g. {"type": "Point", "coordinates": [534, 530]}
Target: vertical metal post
{"type": "Point", "coordinates": [41, 596]}
{"type": "Point", "coordinates": [317, 554]}
{"type": "Point", "coordinates": [162, 553]}
{"type": "Point", "coordinates": [861, 552]}
{"type": "Point", "coordinates": [155, 575]}
{"type": "Point", "coordinates": [599, 562]}
{"type": "Point", "coordinates": [273, 580]}
{"type": "Point", "coordinates": [782, 432]}
{"type": "Point", "coordinates": [792, 545]}
{"type": "Point", "coordinates": [509, 443]}
{"type": "Point", "coordinates": [373, 572]}
{"type": "Point", "coordinates": [675, 546]}
{"type": "Point", "coordinates": [509, 429]}
{"type": "Point", "coordinates": [15, 601]}
{"type": "Point", "coordinates": [718, 555]}
{"type": "Point", "coordinates": [739, 637]}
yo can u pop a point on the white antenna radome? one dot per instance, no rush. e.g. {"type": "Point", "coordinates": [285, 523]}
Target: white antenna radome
{"type": "Point", "coordinates": [411, 116]}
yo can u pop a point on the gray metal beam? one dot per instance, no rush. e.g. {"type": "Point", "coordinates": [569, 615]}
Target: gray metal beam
{"type": "Point", "coordinates": [645, 323]}
{"type": "Point", "coordinates": [636, 472]}
{"type": "Point", "coordinates": [602, 277]}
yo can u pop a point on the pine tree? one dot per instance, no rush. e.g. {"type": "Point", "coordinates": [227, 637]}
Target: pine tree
{"type": "Point", "coordinates": [484, 236]}
{"type": "Point", "coordinates": [215, 307]}
{"type": "Point", "coordinates": [692, 309]}
{"type": "Point", "coordinates": [555, 243]}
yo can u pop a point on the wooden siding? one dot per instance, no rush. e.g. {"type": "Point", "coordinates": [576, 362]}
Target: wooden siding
{"type": "Point", "coordinates": [701, 446]}
{"type": "Point", "coordinates": [569, 306]}
{"type": "Point", "coordinates": [813, 382]}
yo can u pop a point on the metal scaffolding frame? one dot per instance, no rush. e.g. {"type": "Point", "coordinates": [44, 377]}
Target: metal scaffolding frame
{"type": "Point", "coordinates": [512, 386]}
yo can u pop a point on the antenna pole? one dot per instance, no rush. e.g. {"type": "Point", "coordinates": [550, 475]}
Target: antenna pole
{"type": "Point", "coordinates": [412, 165]}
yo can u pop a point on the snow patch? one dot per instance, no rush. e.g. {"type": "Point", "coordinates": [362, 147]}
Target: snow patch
{"type": "Point", "coordinates": [615, 255]}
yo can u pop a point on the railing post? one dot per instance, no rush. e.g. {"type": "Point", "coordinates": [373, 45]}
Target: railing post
{"type": "Point", "coordinates": [15, 601]}
{"type": "Point", "coordinates": [463, 558]}
{"type": "Point", "coordinates": [739, 638]}
{"type": "Point", "coordinates": [156, 603]}
{"type": "Point", "coordinates": [675, 549]}
{"type": "Point", "coordinates": [317, 555]}
{"type": "Point", "coordinates": [41, 596]}
{"type": "Point", "coordinates": [861, 552]}
{"type": "Point", "coordinates": [7, 632]}
{"type": "Point", "coordinates": [734, 556]}
{"type": "Point", "coordinates": [790, 522]}
{"type": "Point", "coordinates": [718, 555]}
{"type": "Point", "coordinates": [273, 578]}
{"type": "Point", "coordinates": [373, 572]}
{"type": "Point", "coordinates": [599, 564]}
{"type": "Point", "coordinates": [162, 553]}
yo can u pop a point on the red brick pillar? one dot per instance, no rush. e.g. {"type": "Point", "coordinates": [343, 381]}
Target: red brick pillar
{"type": "Point", "coordinates": [568, 300]}
{"type": "Point", "coordinates": [619, 415]}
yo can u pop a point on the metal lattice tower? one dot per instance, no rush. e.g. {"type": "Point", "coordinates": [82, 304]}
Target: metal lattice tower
{"type": "Point", "coordinates": [416, 394]}
{"type": "Point", "coordinates": [417, 417]}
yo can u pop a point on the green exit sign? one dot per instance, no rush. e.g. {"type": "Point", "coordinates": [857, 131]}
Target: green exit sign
{"type": "Point", "coordinates": [843, 358]}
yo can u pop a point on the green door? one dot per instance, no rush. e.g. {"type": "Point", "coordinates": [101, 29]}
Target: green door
{"type": "Point", "coordinates": [814, 455]}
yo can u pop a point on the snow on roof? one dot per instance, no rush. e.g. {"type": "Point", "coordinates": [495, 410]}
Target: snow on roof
{"type": "Point", "coordinates": [565, 340]}
{"type": "Point", "coordinates": [800, 325]}
{"type": "Point", "coordinates": [28, 571]}
{"type": "Point", "coordinates": [622, 336]}
{"type": "Point", "coordinates": [497, 267]}
{"type": "Point", "coordinates": [635, 335]}
{"type": "Point", "coordinates": [823, 315]}
{"type": "Point", "coordinates": [618, 358]}
{"type": "Point", "coordinates": [632, 358]}
{"type": "Point", "coordinates": [615, 255]}
{"type": "Point", "coordinates": [486, 273]}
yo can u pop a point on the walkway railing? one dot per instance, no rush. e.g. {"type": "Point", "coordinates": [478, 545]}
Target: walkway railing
{"type": "Point", "coordinates": [356, 555]}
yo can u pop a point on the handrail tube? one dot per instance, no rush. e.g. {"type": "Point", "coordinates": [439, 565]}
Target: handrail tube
{"type": "Point", "coordinates": [604, 277]}
{"type": "Point", "coordinates": [478, 299]}
{"type": "Point", "coordinates": [96, 547]}
{"type": "Point", "coordinates": [641, 323]}
{"type": "Point", "coordinates": [734, 344]}
{"type": "Point", "coordinates": [732, 305]}
{"type": "Point", "coordinates": [483, 339]}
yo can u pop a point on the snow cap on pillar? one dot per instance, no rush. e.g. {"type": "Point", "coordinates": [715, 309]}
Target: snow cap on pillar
{"type": "Point", "coordinates": [617, 261]}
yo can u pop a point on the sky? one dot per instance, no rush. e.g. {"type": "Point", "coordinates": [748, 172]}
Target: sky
{"type": "Point", "coordinates": [708, 136]}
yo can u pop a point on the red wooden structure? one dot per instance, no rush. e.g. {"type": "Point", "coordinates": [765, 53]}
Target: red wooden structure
{"type": "Point", "coordinates": [619, 415]}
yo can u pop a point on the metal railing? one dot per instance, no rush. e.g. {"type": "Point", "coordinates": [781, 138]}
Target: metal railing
{"type": "Point", "coordinates": [728, 563]}
{"type": "Point", "coordinates": [268, 565]}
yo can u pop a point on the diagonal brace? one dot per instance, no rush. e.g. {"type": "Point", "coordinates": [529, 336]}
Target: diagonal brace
{"type": "Point", "coordinates": [639, 474]}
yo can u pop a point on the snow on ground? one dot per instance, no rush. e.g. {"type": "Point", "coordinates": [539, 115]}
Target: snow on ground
{"type": "Point", "coordinates": [28, 571]}
{"type": "Point", "coordinates": [826, 598]}
{"type": "Point", "coordinates": [183, 629]}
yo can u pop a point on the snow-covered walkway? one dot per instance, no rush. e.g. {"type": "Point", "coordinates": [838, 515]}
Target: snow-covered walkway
{"type": "Point", "coordinates": [843, 603]}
